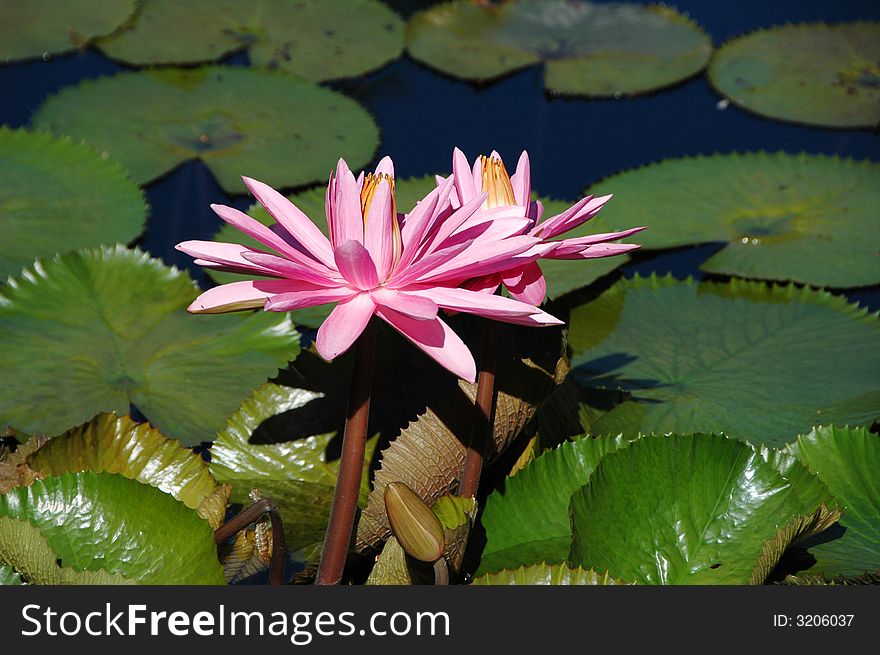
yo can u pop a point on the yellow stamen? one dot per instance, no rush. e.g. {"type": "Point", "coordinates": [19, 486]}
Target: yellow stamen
{"type": "Point", "coordinates": [497, 182]}
{"type": "Point", "coordinates": [368, 191]}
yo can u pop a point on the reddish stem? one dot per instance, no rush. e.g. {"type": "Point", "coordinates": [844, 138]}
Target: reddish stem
{"type": "Point", "coordinates": [481, 427]}
{"type": "Point", "coordinates": [342, 513]}
{"type": "Point", "coordinates": [247, 516]}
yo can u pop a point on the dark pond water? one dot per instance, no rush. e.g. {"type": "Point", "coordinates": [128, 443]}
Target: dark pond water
{"type": "Point", "coordinates": [572, 143]}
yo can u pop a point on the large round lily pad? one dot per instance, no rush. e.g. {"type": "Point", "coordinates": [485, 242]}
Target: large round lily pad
{"type": "Point", "coordinates": [588, 48]}
{"type": "Point", "coordinates": [37, 28]}
{"type": "Point", "coordinates": [808, 218]}
{"type": "Point", "coordinates": [808, 73]}
{"type": "Point", "coordinates": [763, 363]}
{"type": "Point", "coordinates": [239, 121]}
{"type": "Point", "coordinates": [316, 39]}
{"type": "Point", "coordinates": [695, 509]}
{"type": "Point", "coordinates": [104, 522]}
{"type": "Point", "coordinates": [57, 195]}
{"type": "Point", "coordinates": [847, 460]}
{"type": "Point", "coordinates": [99, 330]}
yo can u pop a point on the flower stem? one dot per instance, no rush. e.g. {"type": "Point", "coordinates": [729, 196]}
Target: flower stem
{"type": "Point", "coordinates": [342, 513]}
{"type": "Point", "coordinates": [481, 427]}
{"type": "Point", "coordinates": [247, 516]}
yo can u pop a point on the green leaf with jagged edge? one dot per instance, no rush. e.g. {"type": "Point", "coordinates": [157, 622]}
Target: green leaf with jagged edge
{"type": "Point", "coordinates": [529, 523]}
{"type": "Point", "coordinates": [106, 522]}
{"type": "Point", "coordinates": [685, 509]}
{"type": "Point", "coordinates": [8, 575]}
{"type": "Point", "coordinates": [294, 473]}
{"type": "Point", "coordinates": [239, 121]}
{"type": "Point", "coordinates": [57, 195]}
{"type": "Point", "coordinates": [407, 192]}
{"type": "Point", "coordinates": [99, 330]}
{"type": "Point", "coordinates": [588, 49]}
{"type": "Point", "coordinates": [807, 218]}
{"type": "Point", "coordinates": [111, 444]}
{"type": "Point", "coordinates": [811, 73]}
{"type": "Point", "coordinates": [429, 452]}
{"type": "Point", "coordinates": [837, 580]}
{"type": "Point", "coordinates": [847, 461]}
{"type": "Point", "coordinates": [743, 358]}
{"type": "Point", "coordinates": [315, 39]}
{"type": "Point", "coordinates": [547, 574]}
{"type": "Point", "coordinates": [38, 28]}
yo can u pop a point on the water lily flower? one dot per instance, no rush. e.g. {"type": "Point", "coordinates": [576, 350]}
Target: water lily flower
{"type": "Point", "coordinates": [488, 177]}
{"type": "Point", "coordinates": [375, 262]}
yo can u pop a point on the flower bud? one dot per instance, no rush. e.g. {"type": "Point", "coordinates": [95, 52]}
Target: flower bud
{"type": "Point", "coordinates": [417, 528]}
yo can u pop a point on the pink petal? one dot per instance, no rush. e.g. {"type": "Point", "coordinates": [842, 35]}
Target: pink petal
{"type": "Point", "coordinates": [480, 304]}
{"type": "Point", "coordinates": [379, 229]}
{"type": "Point", "coordinates": [574, 216]}
{"type": "Point", "coordinates": [484, 258]}
{"type": "Point", "coordinates": [592, 239]}
{"type": "Point", "coordinates": [422, 218]}
{"type": "Point", "coordinates": [281, 267]}
{"type": "Point", "coordinates": [293, 220]}
{"type": "Point", "coordinates": [287, 302]}
{"type": "Point", "coordinates": [236, 296]}
{"type": "Point", "coordinates": [526, 284]}
{"type": "Point", "coordinates": [435, 339]}
{"type": "Point", "coordinates": [521, 180]}
{"type": "Point", "coordinates": [385, 167]}
{"type": "Point", "coordinates": [348, 221]}
{"type": "Point", "coordinates": [564, 251]}
{"type": "Point", "coordinates": [344, 325]}
{"type": "Point", "coordinates": [414, 306]}
{"type": "Point", "coordinates": [425, 264]}
{"type": "Point", "coordinates": [441, 231]}
{"type": "Point", "coordinates": [223, 256]}
{"type": "Point", "coordinates": [464, 179]}
{"type": "Point", "coordinates": [487, 284]}
{"type": "Point", "coordinates": [356, 265]}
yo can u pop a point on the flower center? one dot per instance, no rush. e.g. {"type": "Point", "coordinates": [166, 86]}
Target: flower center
{"type": "Point", "coordinates": [368, 191]}
{"type": "Point", "coordinates": [496, 182]}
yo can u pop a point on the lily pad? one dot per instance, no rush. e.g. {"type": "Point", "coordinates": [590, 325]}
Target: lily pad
{"type": "Point", "coordinates": [295, 473]}
{"type": "Point", "coordinates": [683, 510]}
{"type": "Point", "coordinates": [546, 574]}
{"type": "Point", "coordinates": [847, 460]}
{"type": "Point", "coordinates": [743, 358]}
{"type": "Point", "coordinates": [99, 330]}
{"type": "Point", "coordinates": [239, 121]}
{"type": "Point", "coordinates": [8, 576]}
{"type": "Point", "coordinates": [57, 195]}
{"type": "Point", "coordinates": [105, 522]}
{"type": "Point", "coordinates": [139, 452]}
{"type": "Point", "coordinates": [39, 28]}
{"type": "Point", "coordinates": [817, 74]}
{"type": "Point", "coordinates": [588, 49]}
{"type": "Point", "coordinates": [528, 524]}
{"type": "Point", "coordinates": [316, 39]}
{"type": "Point", "coordinates": [807, 218]}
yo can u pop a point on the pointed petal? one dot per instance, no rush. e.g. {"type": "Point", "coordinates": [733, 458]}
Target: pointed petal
{"type": "Point", "coordinates": [564, 251]}
{"type": "Point", "coordinates": [573, 217]}
{"type": "Point", "coordinates": [385, 167]}
{"type": "Point", "coordinates": [422, 219]}
{"type": "Point", "coordinates": [487, 284]}
{"type": "Point", "coordinates": [344, 325]}
{"type": "Point", "coordinates": [527, 284]}
{"type": "Point", "coordinates": [253, 228]}
{"type": "Point", "coordinates": [286, 302]}
{"type": "Point", "coordinates": [435, 339]}
{"type": "Point", "coordinates": [604, 237]}
{"type": "Point", "coordinates": [464, 179]}
{"type": "Point", "coordinates": [480, 304]}
{"type": "Point", "coordinates": [483, 259]}
{"type": "Point", "coordinates": [293, 220]}
{"type": "Point", "coordinates": [227, 256]}
{"type": "Point", "coordinates": [441, 231]}
{"type": "Point", "coordinates": [279, 266]}
{"type": "Point", "coordinates": [414, 306]}
{"type": "Point", "coordinates": [236, 296]}
{"type": "Point", "coordinates": [356, 265]}
{"type": "Point", "coordinates": [348, 221]}
{"type": "Point", "coordinates": [379, 229]}
{"type": "Point", "coordinates": [521, 180]}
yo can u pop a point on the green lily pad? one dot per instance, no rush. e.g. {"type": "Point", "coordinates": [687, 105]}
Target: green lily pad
{"type": "Point", "coordinates": [295, 473]}
{"type": "Point", "coordinates": [105, 522]}
{"type": "Point", "coordinates": [587, 48]}
{"type": "Point", "coordinates": [57, 195]}
{"type": "Point", "coordinates": [316, 39]}
{"type": "Point", "coordinates": [98, 330]}
{"type": "Point", "coordinates": [8, 576]}
{"type": "Point", "coordinates": [683, 510]}
{"type": "Point", "coordinates": [546, 574]}
{"type": "Point", "coordinates": [807, 218]}
{"type": "Point", "coordinates": [529, 523]}
{"type": "Point", "coordinates": [139, 452]}
{"type": "Point", "coordinates": [817, 74]}
{"type": "Point", "coordinates": [239, 121]}
{"type": "Point", "coordinates": [39, 28]}
{"type": "Point", "coordinates": [750, 360]}
{"type": "Point", "coordinates": [847, 461]}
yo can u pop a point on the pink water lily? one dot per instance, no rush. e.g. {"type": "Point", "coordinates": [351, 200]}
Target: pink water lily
{"type": "Point", "coordinates": [376, 262]}
{"type": "Point", "coordinates": [488, 178]}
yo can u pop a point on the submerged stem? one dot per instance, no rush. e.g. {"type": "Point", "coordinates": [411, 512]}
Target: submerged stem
{"type": "Point", "coordinates": [342, 513]}
{"type": "Point", "coordinates": [481, 427]}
